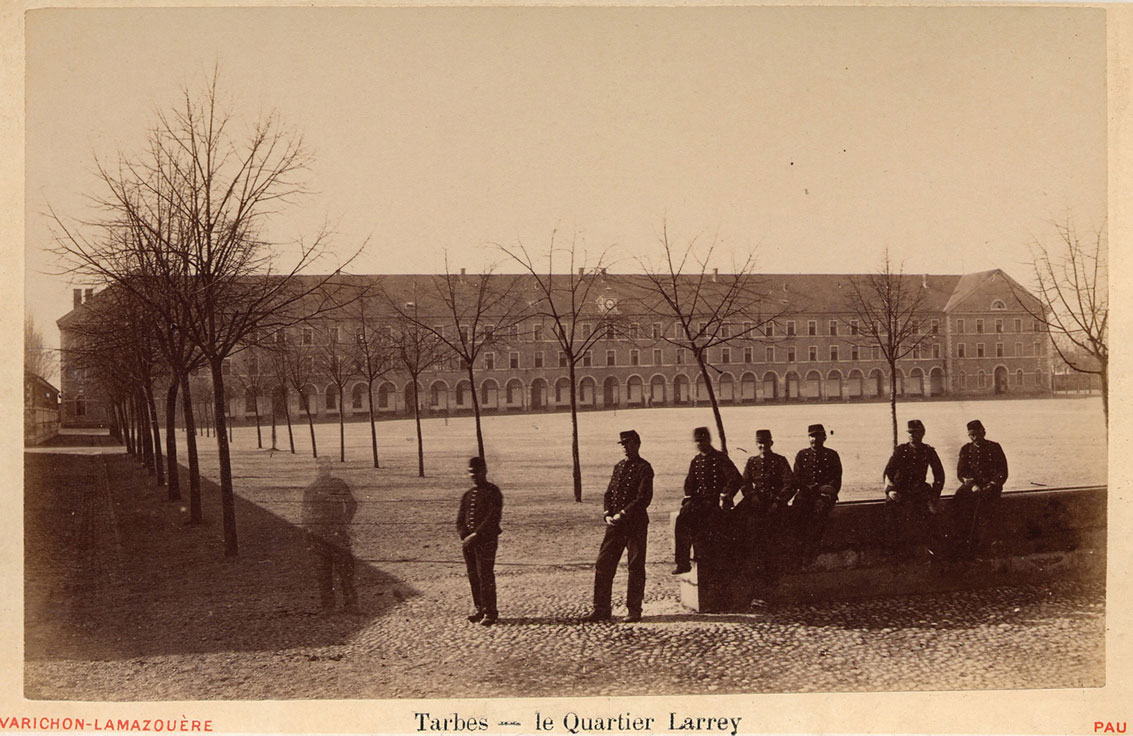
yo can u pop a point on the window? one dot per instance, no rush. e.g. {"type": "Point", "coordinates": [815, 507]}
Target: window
{"type": "Point", "coordinates": [536, 333]}
{"type": "Point", "coordinates": [634, 331]}
{"type": "Point", "coordinates": [982, 380]}
{"type": "Point", "coordinates": [1018, 325]}
{"type": "Point", "coordinates": [656, 330]}
{"type": "Point", "coordinates": [998, 305]}
{"type": "Point", "coordinates": [790, 355]}
{"type": "Point", "coordinates": [875, 353]}
{"type": "Point", "coordinates": [539, 359]}
{"type": "Point", "coordinates": [587, 359]}
{"type": "Point", "coordinates": [490, 361]}
{"type": "Point", "coordinates": [748, 327]}
{"type": "Point", "coordinates": [610, 332]}
{"type": "Point", "coordinates": [680, 356]}
{"type": "Point", "coordinates": [979, 327]}
{"type": "Point", "coordinates": [959, 327]}
{"type": "Point", "coordinates": [1036, 326]}
{"type": "Point", "coordinates": [513, 360]}
{"type": "Point", "coordinates": [769, 355]}
{"type": "Point", "coordinates": [979, 350]}
{"type": "Point", "coordinates": [853, 327]}
{"type": "Point", "coordinates": [464, 333]}
{"type": "Point", "coordinates": [586, 330]}
{"type": "Point", "coordinates": [936, 350]}
{"type": "Point", "coordinates": [611, 357]}
{"type": "Point", "coordinates": [833, 352]}
{"type": "Point", "coordinates": [1018, 350]}
{"type": "Point", "coordinates": [634, 357]}
{"type": "Point", "coordinates": [999, 350]}
{"type": "Point", "coordinates": [811, 328]}
{"type": "Point", "coordinates": [308, 336]}
{"type": "Point", "coordinates": [963, 379]}
{"type": "Point", "coordinates": [934, 327]}
{"type": "Point", "coordinates": [833, 327]}
{"type": "Point", "coordinates": [1019, 377]}
{"type": "Point", "coordinates": [562, 359]}
{"type": "Point", "coordinates": [725, 355]}
{"type": "Point", "coordinates": [657, 356]}
{"type": "Point", "coordinates": [790, 328]}
{"type": "Point", "coordinates": [332, 334]}
{"type": "Point", "coordinates": [854, 352]}
{"type": "Point", "coordinates": [769, 329]}
{"type": "Point", "coordinates": [725, 332]}
{"type": "Point", "coordinates": [999, 327]}
{"type": "Point", "coordinates": [961, 350]}
{"type": "Point", "coordinates": [748, 355]}
{"type": "Point", "coordinates": [332, 397]}
{"type": "Point", "coordinates": [1038, 349]}
{"type": "Point", "coordinates": [812, 353]}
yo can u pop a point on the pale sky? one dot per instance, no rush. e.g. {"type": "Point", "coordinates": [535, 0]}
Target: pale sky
{"type": "Point", "coordinates": [817, 137]}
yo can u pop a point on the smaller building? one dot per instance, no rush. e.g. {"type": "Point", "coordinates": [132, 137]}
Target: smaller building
{"type": "Point", "coordinates": [41, 409]}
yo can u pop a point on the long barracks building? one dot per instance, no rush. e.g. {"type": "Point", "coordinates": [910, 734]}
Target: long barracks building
{"type": "Point", "coordinates": [978, 341]}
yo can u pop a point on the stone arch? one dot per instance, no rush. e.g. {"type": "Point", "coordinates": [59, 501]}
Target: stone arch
{"type": "Point", "coordinates": [587, 391]}
{"type": "Point", "coordinates": [855, 384]}
{"type": "Point", "coordinates": [748, 389]}
{"type": "Point", "coordinates": [876, 384]}
{"type": "Point", "coordinates": [656, 389]}
{"type": "Point", "coordinates": [769, 389]}
{"type": "Point", "coordinates": [562, 391]}
{"type": "Point", "coordinates": [611, 391]}
{"type": "Point", "coordinates": [310, 399]}
{"type": "Point", "coordinates": [513, 393]}
{"type": "Point", "coordinates": [387, 396]}
{"type": "Point", "coordinates": [701, 390]}
{"type": "Point", "coordinates": [833, 387]}
{"type": "Point", "coordinates": [915, 386]}
{"type": "Point", "coordinates": [999, 379]}
{"type": "Point", "coordinates": [358, 400]}
{"type": "Point", "coordinates": [813, 385]}
{"type": "Point", "coordinates": [407, 395]}
{"type": "Point", "coordinates": [489, 394]}
{"type": "Point", "coordinates": [331, 395]}
{"type": "Point", "coordinates": [438, 395]}
{"type": "Point", "coordinates": [727, 384]}
{"type": "Point", "coordinates": [250, 398]}
{"type": "Point", "coordinates": [635, 393]}
{"type": "Point", "coordinates": [681, 394]}
{"type": "Point", "coordinates": [936, 381]}
{"type": "Point", "coordinates": [538, 400]}
{"type": "Point", "coordinates": [463, 394]}
{"type": "Point", "coordinates": [792, 381]}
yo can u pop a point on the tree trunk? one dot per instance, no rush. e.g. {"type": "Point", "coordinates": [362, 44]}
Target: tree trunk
{"type": "Point", "coordinates": [171, 441]}
{"type": "Point", "coordinates": [273, 423]}
{"type": "Point", "coordinates": [420, 441]}
{"type": "Point", "coordinates": [158, 461]}
{"type": "Point", "coordinates": [373, 426]}
{"type": "Point", "coordinates": [893, 398]}
{"type": "Point", "coordinates": [310, 423]}
{"type": "Point", "coordinates": [227, 497]}
{"type": "Point", "coordinates": [576, 466]}
{"type": "Point", "coordinates": [341, 428]}
{"type": "Point", "coordinates": [715, 404]}
{"type": "Point", "coordinates": [287, 415]}
{"type": "Point", "coordinates": [1104, 376]}
{"type": "Point", "coordinates": [124, 421]}
{"type": "Point", "coordinates": [259, 435]}
{"type": "Point", "coordinates": [195, 515]}
{"type": "Point", "coordinates": [476, 414]}
{"type": "Point", "coordinates": [146, 436]}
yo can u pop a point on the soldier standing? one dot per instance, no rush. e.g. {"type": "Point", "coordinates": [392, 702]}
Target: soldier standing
{"type": "Point", "coordinates": [768, 486]}
{"type": "Point", "coordinates": [328, 509]}
{"type": "Point", "coordinates": [818, 477]}
{"type": "Point", "coordinates": [982, 470]}
{"type": "Point", "coordinates": [627, 528]}
{"type": "Point", "coordinates": [478, 524]}
{"type": "Point", "coordinates": [908, 496]}
{"type": "Point", "coordinates": [711, 483]}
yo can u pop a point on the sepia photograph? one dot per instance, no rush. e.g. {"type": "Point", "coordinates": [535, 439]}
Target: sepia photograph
{"type": "Point", "coordinates": [593, 357]}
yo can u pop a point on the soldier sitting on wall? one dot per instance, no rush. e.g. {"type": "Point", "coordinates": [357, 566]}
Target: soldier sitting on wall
{"type": "Point", "coordinates": [818, 477]}
{"type": "Point", "coordinates": [767, 490]}
{"type": "Point", "coordinates": [910, 501]}
{"type": "Point", "coordinates": [711, 483]}
{"type": "Point", "coordinates": [982, 469]}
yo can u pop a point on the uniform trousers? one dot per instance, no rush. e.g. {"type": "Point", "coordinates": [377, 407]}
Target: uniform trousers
{"type": "Point", "coordinates": [333, 558]}
{"type": "Point", "coordinates": [971, 510]}
{"type": "Point", "coordinates": [632, 539]}
{"type": "Point", "coordinates": [909, 520]}
{"type": "Point", "coordinates": [480, 561]}
{"type": "Point", "coordinates": [811, 508]}
{"type": "Point", "coordinates": [693, 521]}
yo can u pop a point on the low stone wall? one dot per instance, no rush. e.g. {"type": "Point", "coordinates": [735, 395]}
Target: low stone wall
{"type": "Point", "coordinates": [1034, 535]}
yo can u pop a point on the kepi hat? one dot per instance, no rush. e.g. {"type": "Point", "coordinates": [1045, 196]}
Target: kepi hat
{"type": "Point", "coordinates": [702, 433]}
{"type": "Point", "coordinates": [763, 435]}
{"type": "Point", "coordinates": [916, 424]}
{"type": "Point", "coordinates": [815, 429]}
{"type": "Point", "coordinates": [628, 435]}
{"type": "Point", "coordinates": [975, 424]}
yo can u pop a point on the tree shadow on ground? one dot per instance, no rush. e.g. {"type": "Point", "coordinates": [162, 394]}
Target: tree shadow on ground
{"type": "Point", "coordinates": [113, 571]}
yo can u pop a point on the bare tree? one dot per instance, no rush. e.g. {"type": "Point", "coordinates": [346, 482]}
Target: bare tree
{"type": "Point", "coordinates": [417, 350]}
{"type": "Point", "coordinates": [38, 358]}
{"type": "Point", "coordinates": [254, 378]}
{"type": "Point", "coordinates": [373, 352]}
{"type": "Point", "coordinates": [198, 202]}
{"type": "Point", "coordinates": [1071, 280]}
{"type": "Point", "coordinates": [475, 311]}
{"type": "Point", "coordinates": [564, 303]}
{"type": "Point", "coordinates": [279, 354]}
{"type": "Point", "coordinates": [702, 309]}
{"type": "Point", "coordinates": [891, 313]}
{"type": "Point", "coordinates": [298, 362]}
{"type": "Point", "coordinates": [335, 360]}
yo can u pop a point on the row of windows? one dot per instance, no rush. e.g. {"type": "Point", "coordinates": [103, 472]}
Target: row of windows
{"type": "Point", "coordinates": [998, 325]}
{"type": "Point", "coordinates": [1038, 349]}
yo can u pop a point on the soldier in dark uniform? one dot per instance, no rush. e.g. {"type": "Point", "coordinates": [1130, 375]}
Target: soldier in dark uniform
{"type": "Point", "coordinates": [982, 470]}
{"type": "Point", "coordinates": [767, 488]}
{"type": "Point", "coordinates": [909, 499]}
{"type": "Point", "coordinates": [478, 523]}
{"type": "Point", "coordinates": [818, 477]}
{"type": "Point", "coordinates": [627, 528]}
{"type": "Point", "coordinates": [711, 482]}
{"type": "Point", "coordinates": [328, 509]}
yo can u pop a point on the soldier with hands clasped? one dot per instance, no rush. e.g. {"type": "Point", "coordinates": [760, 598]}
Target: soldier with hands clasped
{"type": "Point", "coordinates": [818, 477]}
{"type": "Point", "coordinates": [627, 528]}
{"type": "Point", "coordinates": [909, 499]}
{"type": "Point", "coordinates": [478, 524]}
{"type": "Point", "coordinates": [982, 469]}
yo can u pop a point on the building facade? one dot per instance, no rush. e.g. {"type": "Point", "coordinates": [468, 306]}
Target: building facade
{"type": "Point", "coordinates": [977, 341]}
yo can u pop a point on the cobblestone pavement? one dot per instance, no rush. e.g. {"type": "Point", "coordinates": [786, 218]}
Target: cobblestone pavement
{"type": "Point", "coordinates": [247, 629]}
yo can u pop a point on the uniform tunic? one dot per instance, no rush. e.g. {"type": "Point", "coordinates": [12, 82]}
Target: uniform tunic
{"type": "Point", "coordinates": [909, 465]}
{"type": "Point", "coordinates": [629, 493]}
{"type": "Point", "coordinates": [710, 475]}
{"type": "Point", "coordinates": [768, 479]}
{"type": "Point", "coordinates": [984, 462]}
{"type": "Point", "coordinates": [816, 467]}
{"type": "Point", "coordinates": [480, 512]}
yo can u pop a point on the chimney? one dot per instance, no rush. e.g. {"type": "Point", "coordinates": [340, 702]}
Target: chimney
{"type": "Point", "coordinates": [89, 293]}
{"type": "Point", "coordinates": [715, 273]}
{"type": "Point", "coordinates": [78, 296]}
{"type": "Point", "coordinates": [581, 271]}
{"type": "Point", "coordinates": [462, 272]}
